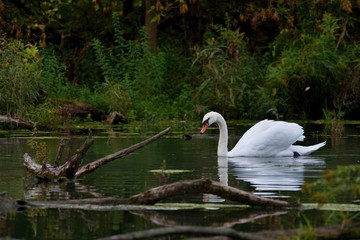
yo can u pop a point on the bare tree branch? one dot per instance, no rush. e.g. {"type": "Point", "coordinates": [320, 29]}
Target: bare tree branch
{"type": "Point", "coordinates": [72, 167]}
{"type": "Point", "coordinates": [90, 167]}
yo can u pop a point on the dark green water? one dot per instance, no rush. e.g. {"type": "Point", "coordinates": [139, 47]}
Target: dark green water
{"type": "Point", "coordinates": [278, 178]}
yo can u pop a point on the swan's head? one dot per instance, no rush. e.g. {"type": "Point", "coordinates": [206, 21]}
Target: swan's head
{"type": "Point", "coordinates": [208, 119]}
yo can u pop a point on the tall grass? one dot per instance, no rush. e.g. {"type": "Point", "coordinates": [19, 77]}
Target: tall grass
{"type": "Point", "coordinates": [20, 78]}
{"type": "Point", "coordinates": [134, 76]}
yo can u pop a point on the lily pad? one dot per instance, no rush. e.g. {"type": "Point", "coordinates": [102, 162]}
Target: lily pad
{"type": "Point", "coordinates": [170, 171]}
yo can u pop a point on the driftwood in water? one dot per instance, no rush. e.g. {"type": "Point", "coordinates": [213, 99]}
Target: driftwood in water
{"type": "Point", "coordinates": [157, 194]}
{"type": "Point", "coordinates": [17, 122]}
{"type": "Point", "coordinates": [67, 170]}
{"type": "Point", "coordinates": [186, 187]}
{"type": "Point", "coordinates": [72, 167]}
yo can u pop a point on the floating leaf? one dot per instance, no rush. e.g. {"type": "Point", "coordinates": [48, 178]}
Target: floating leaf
{"type": "Point", "coordinates": [170, 171]}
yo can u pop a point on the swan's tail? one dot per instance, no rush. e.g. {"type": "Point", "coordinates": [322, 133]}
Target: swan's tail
{"type": "Point", "coordinates": [306, 150]}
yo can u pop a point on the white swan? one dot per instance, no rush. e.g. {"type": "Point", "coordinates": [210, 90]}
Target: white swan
{"type": "Point", "coordinates": [267, 138]}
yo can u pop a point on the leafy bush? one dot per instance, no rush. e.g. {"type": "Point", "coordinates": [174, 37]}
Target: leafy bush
{"type": "Point", "coordinates": [229, 77]}
{"type": "Point", "coordinates": [309, 68]}
{"type": "Point", "coordinates": [339, 185]}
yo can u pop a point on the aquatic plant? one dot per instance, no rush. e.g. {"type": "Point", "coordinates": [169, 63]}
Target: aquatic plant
{"type": "Point", "coordinates": [340, 185]}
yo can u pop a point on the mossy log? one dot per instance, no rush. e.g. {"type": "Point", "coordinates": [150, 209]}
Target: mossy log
{"type": "Point", "coordinates": [72, 167]}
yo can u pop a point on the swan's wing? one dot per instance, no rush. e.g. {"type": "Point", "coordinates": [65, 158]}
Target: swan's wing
{"type": "Point", "coordinates": [254, 130]}
{"type": "Point", "coordinates": [268, 138]}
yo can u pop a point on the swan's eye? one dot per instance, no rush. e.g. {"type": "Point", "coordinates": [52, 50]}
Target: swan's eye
{"type": "Point", "coordinates": [206, 122]}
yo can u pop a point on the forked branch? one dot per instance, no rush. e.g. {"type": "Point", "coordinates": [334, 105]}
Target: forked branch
{"type": "Point", "coordinates": [72, 167]}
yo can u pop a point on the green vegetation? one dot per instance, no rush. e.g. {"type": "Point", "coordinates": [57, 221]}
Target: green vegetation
{"type": "Point", "coordinates": [341, 185]}
{"type": "Point", "coordinates": [249, 60]}
{"type": "Point", "coordinates": [20, 80]}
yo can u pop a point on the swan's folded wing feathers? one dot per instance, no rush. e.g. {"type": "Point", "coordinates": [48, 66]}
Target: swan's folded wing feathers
{"type": "Point", "coordinates": [255, 130]}
{"type": "Point", "coordinates": [268, 138]}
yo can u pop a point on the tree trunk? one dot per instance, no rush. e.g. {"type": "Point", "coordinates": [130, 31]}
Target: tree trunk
{"type": "Point", "coordinates": [151, 26]}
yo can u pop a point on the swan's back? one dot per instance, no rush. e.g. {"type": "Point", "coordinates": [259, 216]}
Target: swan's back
{"type": "Point", "coordinates": [268, 138]}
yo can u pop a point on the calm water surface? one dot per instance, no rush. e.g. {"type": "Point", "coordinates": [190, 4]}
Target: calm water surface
{"type": "Point", "coordinates": [270, 177]}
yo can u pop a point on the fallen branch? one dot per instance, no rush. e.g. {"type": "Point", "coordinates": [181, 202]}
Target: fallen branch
{"type": "Point", "coordinates": [90, 167]}
{"type": "Point", "coordinates": [67, 170]}
{"type": "Point", "coordinates": [157, 194]}
{"type": "Point", "coordinates": [17, 122]}
{"type": "Point", "coordinates": [154, 195]}
{"type": "Point", "coordinates": [72, 167]}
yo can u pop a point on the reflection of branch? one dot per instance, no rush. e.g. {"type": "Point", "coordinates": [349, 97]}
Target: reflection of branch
{"type": "Point", "coordinates": [164, 218]}
{"type": "Point", "coordinates": [66, 190]}
{"type": "Point", "coordinates": [253, 217]}
{"type": "Point", "coordinates": [333, 232]}
{"type": "Point", "coordinates": [195, 231]}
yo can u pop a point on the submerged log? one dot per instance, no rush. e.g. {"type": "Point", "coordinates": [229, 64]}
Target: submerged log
{"type": "Point", "coordinates": [72, 167]}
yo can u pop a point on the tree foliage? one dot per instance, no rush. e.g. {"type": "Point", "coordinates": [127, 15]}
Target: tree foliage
{"type": "Point", "coordinates": [249, 59]}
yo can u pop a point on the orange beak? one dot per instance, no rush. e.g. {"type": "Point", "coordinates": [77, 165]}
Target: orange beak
{"type": "Point", "coordinates": [204, 127]}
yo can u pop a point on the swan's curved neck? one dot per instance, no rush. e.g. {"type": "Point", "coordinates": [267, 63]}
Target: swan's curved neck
{"type": "Point", "coordinates": [223, 138]}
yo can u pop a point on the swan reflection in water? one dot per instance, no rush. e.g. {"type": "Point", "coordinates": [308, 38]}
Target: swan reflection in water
{"type": "Point", "coordinates": [269, 177]}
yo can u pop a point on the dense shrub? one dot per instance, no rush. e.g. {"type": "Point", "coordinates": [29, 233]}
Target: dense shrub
{"type": "Point", "coordinates": [308, 70]}
{"type": "Point", "coordinates": [135, 77]}
{"type": "Point", "coordinates": [229, 78]}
